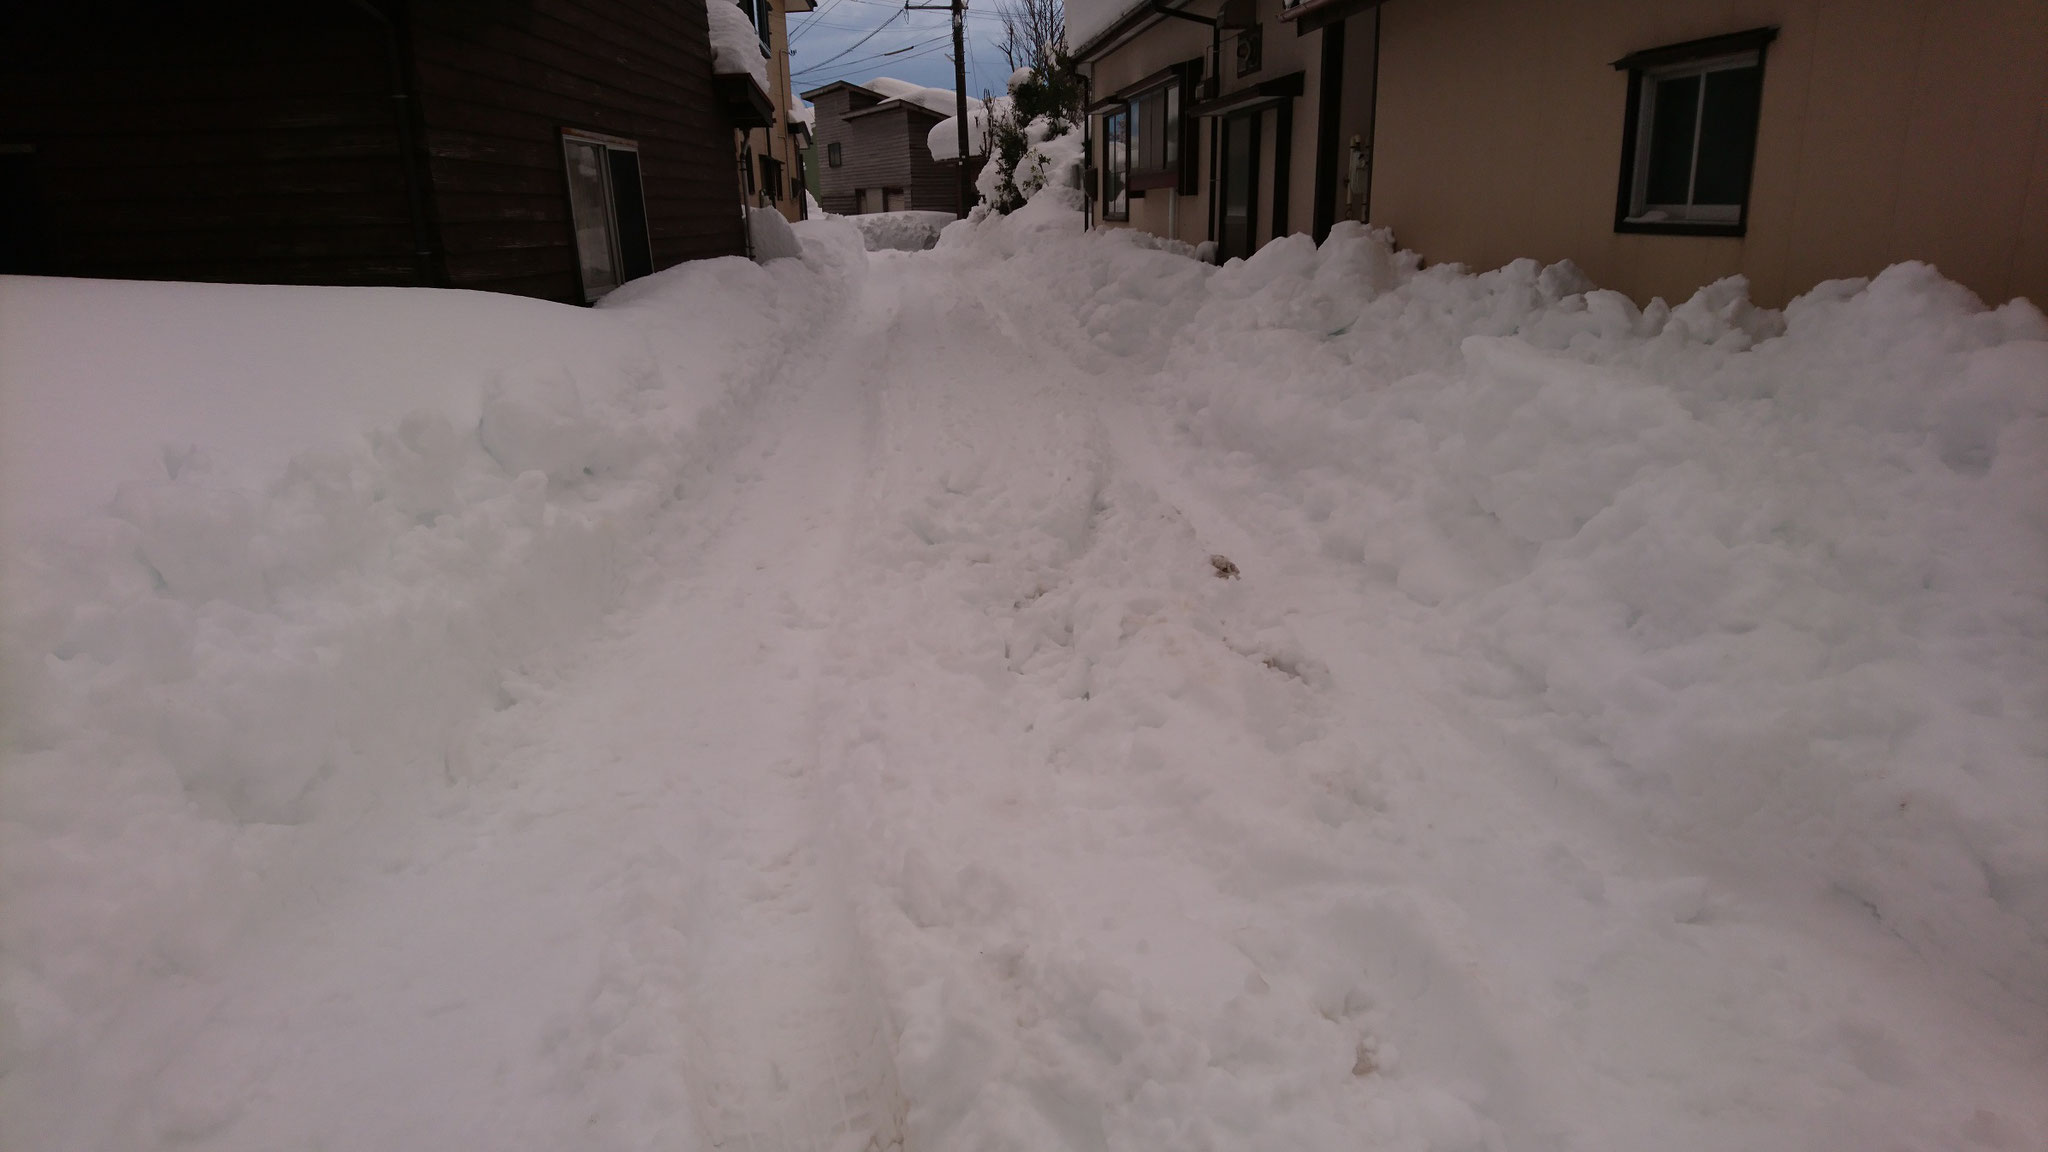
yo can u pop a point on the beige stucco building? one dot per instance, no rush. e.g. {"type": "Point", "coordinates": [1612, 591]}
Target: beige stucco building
{"type": "Point", "coordinates": [1659, 144]}
{"type": "Point", "coordinates": [770, 131]}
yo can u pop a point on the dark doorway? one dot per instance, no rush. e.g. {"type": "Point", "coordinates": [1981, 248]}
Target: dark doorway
{"type": "Point", "coordinates": [1240, 199]}
{"type": "Point", "coordinates": [634, 251]}
{"type": "Point", "coordinates": [21, 222]}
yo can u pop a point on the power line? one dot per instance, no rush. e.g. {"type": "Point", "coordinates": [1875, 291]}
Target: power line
{"type": "Point", "coordinates": [857, 43]}
{"type": "Point", "coordinates": [872, 58]}
{"type": "Point", "coordinates": [814, 22]}
{"type": "Point", "coordinates": [924, 50]}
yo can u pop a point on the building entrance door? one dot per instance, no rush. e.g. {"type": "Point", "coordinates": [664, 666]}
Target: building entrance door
{"type": "Point", "coordinates": [1240, 199]}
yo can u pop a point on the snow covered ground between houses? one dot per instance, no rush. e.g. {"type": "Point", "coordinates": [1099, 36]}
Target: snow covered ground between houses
{"type": "Point", "coordinates": [901, 231]}
{"type": "Point", "coordinates": [1043, 692]}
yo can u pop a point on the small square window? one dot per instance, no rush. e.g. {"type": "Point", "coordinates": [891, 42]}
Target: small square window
{"type": "Point", "coordinates": [832, 155]}
{"type": "Point", "coordinates": [1690, 136]}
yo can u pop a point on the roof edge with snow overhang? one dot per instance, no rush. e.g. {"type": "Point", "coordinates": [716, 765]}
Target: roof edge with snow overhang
{"type": "Point", "coordinates": [1132, 21]}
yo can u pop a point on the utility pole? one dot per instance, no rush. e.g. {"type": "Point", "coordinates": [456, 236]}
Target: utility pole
{"type": "Point", "coordinates": [960, 95]}
{"type": "Point", "coordinates": [964, 188]}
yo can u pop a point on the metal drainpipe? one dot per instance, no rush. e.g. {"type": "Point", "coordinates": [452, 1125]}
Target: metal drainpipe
{"type": "Point", "coordinates": [1088, 148]}
{"type": "Point", "coordinates": [425, 252]}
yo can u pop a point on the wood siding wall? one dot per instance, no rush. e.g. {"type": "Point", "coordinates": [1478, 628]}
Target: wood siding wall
{"type": "Point", "coordinates": [885, 149]}
{"type": "Point", "coordinates": [933, 187]}
{"type": "Point", "coordinates": [225, 142]}
{"type": "Point", "coordinates": [864, 162]}
{"type": "Point", "coordinates": [499, 80]}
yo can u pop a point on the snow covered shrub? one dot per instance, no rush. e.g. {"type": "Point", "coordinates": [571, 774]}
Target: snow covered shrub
{"type": "Point", "coordinates": [1031, 136]}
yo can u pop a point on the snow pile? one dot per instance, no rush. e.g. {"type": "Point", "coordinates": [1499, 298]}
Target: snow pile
{"type": "Point", "coordinates": [944, 139]}
{"type": "Point", "coordinates": [770, 236]}
{"type": "Point", "coordinates": [1771, 582]}
{"type": "Point", "coordinates": [215, 678]}
{"type": "Point", "coordinates": [939, 100]}
{"type": "Point", "coordinates": [901, 231]}
{"type": "Point", "coordinates": [736, 43]}
{"type": "Point", "coordinates": [800, 112]}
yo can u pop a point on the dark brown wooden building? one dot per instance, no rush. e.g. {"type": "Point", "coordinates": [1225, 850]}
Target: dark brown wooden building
{"type": "Point", "coordinates": [873, 154]}
{"type": "Point", "coordinates": [550, 148]}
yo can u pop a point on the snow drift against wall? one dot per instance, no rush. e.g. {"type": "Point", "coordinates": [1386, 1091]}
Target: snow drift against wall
{"type": "Point", "coordinates": [1773, 581]}
{"type": "Point", "coordinates": [219, 671]}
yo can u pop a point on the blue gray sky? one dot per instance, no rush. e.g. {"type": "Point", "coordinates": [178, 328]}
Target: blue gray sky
{"type": "Point", "coordinates": [919, 45]}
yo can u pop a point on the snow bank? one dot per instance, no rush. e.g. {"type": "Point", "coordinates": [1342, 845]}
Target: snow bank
{"type": "Point", "coordinates": [213, 677]}
{"type": "Point", "coordinates": [735, 43]}
{"type": "Point", "coordinates": [901, 231]}
{"type": "Point", "coordinates": [769, 234]}
{"type": "Point", "coordinates": [1771, 582]}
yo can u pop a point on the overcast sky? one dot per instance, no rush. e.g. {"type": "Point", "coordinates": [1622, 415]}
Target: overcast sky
{"type": "Point", "coordinates": [922, 43]}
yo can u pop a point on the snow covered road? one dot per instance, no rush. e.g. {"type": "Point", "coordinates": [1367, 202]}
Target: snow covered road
{"type": "Point", "coordinates": [930, 785]}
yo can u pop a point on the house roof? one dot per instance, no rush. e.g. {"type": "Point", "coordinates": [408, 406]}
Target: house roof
{"type": "Point", "coordinates": [814, 93]}
{"type": "Point", "coordinates": [892, 106]}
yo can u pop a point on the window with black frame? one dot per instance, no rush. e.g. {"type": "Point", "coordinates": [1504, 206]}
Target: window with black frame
{"type": "Point", "coordinates": [1155, 132]}
{"type": "Point", "coordinates": [1116, 160]}
{"type": "Point", "coordinates": [1689, 144]}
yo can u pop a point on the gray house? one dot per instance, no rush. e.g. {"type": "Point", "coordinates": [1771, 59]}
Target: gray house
{"type": "Point", "coordinates": [872, 150]}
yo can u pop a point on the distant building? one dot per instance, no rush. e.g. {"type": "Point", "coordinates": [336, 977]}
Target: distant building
{"type": "Point", "coordinates": [1659, 144]}
{"type": "Point", "coordinates": [550, 148]}
{"type": "Point", "coordinates": [872, 144]}
{"type": "Point", "coordinates": [772, 145]}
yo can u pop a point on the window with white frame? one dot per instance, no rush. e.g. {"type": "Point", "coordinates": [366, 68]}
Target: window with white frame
{"type": "Point", "coordinates": [607, 209]}
{"type": "Point", "coordinates": [1690, 141]}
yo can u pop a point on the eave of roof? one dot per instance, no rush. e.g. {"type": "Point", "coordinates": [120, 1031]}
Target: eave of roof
{"type": "Point", "coordinates": [891, 106]}
{"type": "Point", "coordinates": [814, 93]}
{"type": "Point", "coordinates": [1133, 22]}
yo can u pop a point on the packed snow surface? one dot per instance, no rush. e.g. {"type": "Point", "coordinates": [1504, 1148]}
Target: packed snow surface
{"type": "Point", "coordinates": [1041, 693]}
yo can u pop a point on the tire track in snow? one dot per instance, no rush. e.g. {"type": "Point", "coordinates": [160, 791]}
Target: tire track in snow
{"type": "Point", "coordinates": [791, 1046]}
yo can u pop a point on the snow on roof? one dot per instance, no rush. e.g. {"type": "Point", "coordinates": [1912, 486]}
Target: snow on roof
{"type": "Point", "coordinates": [944, 139]}
{"type": "Point", "coordinates": [1087, 19]}
{"type": "Point", "coordinates": [800, 112]}
{"type": "Point", "coordinates": [735, 45]}
{"type": "Point", "coordinates": [939, 100]}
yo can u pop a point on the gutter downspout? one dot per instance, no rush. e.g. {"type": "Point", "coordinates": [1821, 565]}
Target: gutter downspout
{"type": "Point", "coordinates": [1088, 149]}
{"type": "Point", "coordinates": [1372, 125]}
{"type": "Point", "coordinates": [425, 249]}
